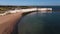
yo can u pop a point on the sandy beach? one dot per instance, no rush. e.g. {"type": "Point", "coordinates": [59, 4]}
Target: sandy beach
{"type": "Point", "coordinates": [8, 22]}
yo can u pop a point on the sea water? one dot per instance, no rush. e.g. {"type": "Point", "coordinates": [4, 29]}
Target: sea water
{"type": "Point", "coordinates": [40, 23]}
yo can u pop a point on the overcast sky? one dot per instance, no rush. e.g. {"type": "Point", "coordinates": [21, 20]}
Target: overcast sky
{"type": "Point", "coordinates": [29, 2]}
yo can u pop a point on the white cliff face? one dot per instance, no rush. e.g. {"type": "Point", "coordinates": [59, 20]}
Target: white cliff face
{"type": "Point", "coordinates": [16, 10]}
{"type": "Point", "coordinates": [23, 10]}
{"type": "Point", "coordinates": [43, 10]}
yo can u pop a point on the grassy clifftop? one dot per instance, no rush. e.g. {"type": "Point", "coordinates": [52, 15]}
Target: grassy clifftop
{"type": "Point", "coordinates": [5, 8]}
